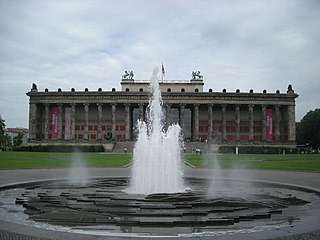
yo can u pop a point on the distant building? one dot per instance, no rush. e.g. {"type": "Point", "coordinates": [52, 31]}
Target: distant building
{"type": "Point", "coordinates": [230, 117]}
{"type": "Point", "coordinates": [13, 132]}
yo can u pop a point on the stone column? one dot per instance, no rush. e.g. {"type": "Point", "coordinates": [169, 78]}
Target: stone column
{"type": "Point", "coordinates": [277, 123]}
{"type": "Point", "coordinates": [210, 119]}
{"type": "Point", "coordinates": [46, 121]}
{"type": "Point", "coordinates": [263, 125]}
{"type": "Point", "coordinates": [251, 122]}
{"type": "Point", "coordinates": [141, 112]}
{"type": "Point", "coordinates": [127, 121]}
{"type": "Point", "coordinates": [99, 133]}
{"type": "Point", "coordinates": [32, 121]}
{"type": "Point", "coordinates": [224, 123]}
{"type": "Point", "coordinates": [113, 119]}
{"type": "Point", "coordinates": [86, 121]}
{"type": "Point", "coordinates": [73, 121]}
{"type": "Point", "coordinates": [291, 124]}
{"type": "Point", "coordinates": [168, 115]}
{"type": "Point", "coordinates": [181, 116]}
{"type": "Point", "coordinates": [237, 118]}
{"type": "Point", "coordinates": [195, 122]}
{"type": "Point", "coordinates": [60, 121]}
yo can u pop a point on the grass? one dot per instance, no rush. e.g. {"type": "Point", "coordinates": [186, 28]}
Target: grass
{"type": "Point", "coordinates": [301, 162]}
{"type": "Point", "coordinates": [11, 160]}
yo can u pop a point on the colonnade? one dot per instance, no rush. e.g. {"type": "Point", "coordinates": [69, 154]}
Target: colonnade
{"type": "Point", "coordinates": [40, 119]}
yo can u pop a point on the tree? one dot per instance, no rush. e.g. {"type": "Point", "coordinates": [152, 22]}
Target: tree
{"type": "Point", "coordinates": [3, 138]}
{"type": "Point", "coordinates": [7, 142]}
{"type": "Point", "coordinates": [2, 125]}
{"type": "Point", "coordinates": [308, 129]}
{"type": "Point", "coordinates": [17, 140]}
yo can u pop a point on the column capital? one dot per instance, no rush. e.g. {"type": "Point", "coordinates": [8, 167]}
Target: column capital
{"type": "Point", "coordinates": [85, 104]}
{"type": "Point", "coordinates": [99, 104]}
{"type": "Point", "coordinates": [72, 104]}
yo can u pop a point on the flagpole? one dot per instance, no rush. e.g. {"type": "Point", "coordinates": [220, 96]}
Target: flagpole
{"type": "Point", "coordinates": [162, 72]}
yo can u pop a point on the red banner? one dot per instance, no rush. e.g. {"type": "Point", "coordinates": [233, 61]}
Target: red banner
{"type": "Point", "coordinates": [54, 123]}
{"type": "Point", "coordinates": [269, 125]}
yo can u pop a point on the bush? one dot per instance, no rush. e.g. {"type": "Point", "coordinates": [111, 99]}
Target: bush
{"type": "Point", "coordinates": [60, 148]}
{"type": "Point", "coordinates": [256, 149]}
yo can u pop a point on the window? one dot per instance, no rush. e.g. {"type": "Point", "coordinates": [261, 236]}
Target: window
{"type": "Point", "coordinates": [141, 90]}
{"type": "Point", "coordinates": [169, 90]}
{"type": "Point", "coordinates": [127, 89]}
{"type": "Point", "coordinates": [183, 90]}
{"type": "Point", "coordinates": [196, 90]}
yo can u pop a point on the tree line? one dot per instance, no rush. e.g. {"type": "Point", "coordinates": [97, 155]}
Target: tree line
{"type": "Point", "coordinates": [5, 140]}
{"type": "Point", "coordinates": [308, 129]}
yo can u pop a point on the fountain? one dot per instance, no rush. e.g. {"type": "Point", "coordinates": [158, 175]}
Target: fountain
{"type": "Point", "coordinates": [157, 162]}
{"type": "Point", "coordinates": [78, 170]}
{"type": "Point", "coordinates": [155, 202]}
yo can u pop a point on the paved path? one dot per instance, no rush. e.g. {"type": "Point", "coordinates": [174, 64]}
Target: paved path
{"type": "Point", "coordinates": [308, 179]}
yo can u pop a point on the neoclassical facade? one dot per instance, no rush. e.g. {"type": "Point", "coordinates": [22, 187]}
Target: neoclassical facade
{"type": "Point", "coordinates": [228, 117]}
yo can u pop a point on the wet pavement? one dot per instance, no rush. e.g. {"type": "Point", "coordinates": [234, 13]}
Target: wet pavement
{"type": "Point", "coordinates": [296, 178]}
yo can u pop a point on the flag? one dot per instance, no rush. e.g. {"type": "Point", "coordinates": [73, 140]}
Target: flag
{"type": "Point", "coordinates": [163, 72]}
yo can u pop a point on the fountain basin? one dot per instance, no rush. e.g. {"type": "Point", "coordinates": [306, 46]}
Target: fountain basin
{"type": "Point", "coordinates": [103, 208]}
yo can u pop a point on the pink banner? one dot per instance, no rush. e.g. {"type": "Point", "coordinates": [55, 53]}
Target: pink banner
{"type": "Point", "coordinates": [67, 123]}
{"type": "Point", "coordinates": [269, 125]}
{"type": "Point", "coordinates": [54, 123]}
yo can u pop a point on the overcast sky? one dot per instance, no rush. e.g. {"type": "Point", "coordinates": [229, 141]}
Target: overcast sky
{"type": "Point", "coordinates": [235, 44]}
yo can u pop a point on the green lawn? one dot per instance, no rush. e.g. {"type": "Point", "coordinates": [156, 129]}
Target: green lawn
{"type": "Point", "coordinates": [302, 162]}
{"type": "Point", "coordinates": [60, 160]}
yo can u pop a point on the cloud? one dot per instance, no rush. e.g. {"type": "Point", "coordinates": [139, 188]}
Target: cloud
{"type": "Point", "coordinates": [235, 44]}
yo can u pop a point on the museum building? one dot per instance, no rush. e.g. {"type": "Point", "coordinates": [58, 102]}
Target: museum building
{"type": "Point", "coordinates": [243, 118]}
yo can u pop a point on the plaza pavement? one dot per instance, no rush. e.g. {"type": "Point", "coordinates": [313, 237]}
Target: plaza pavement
{"type": "Point", "coordinates": [7, 177]}
{"type": "Point", "coordinates": [308, 179]}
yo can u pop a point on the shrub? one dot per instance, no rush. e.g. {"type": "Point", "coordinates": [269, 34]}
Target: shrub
{"type": "Point", "coordinates": [256, 149]}
{"type": "Point", "coordinates": [60, 148]}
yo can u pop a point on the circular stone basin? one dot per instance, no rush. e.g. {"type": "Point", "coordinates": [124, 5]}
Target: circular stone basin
{"type": "Point", "coordinates": [103, 207]}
